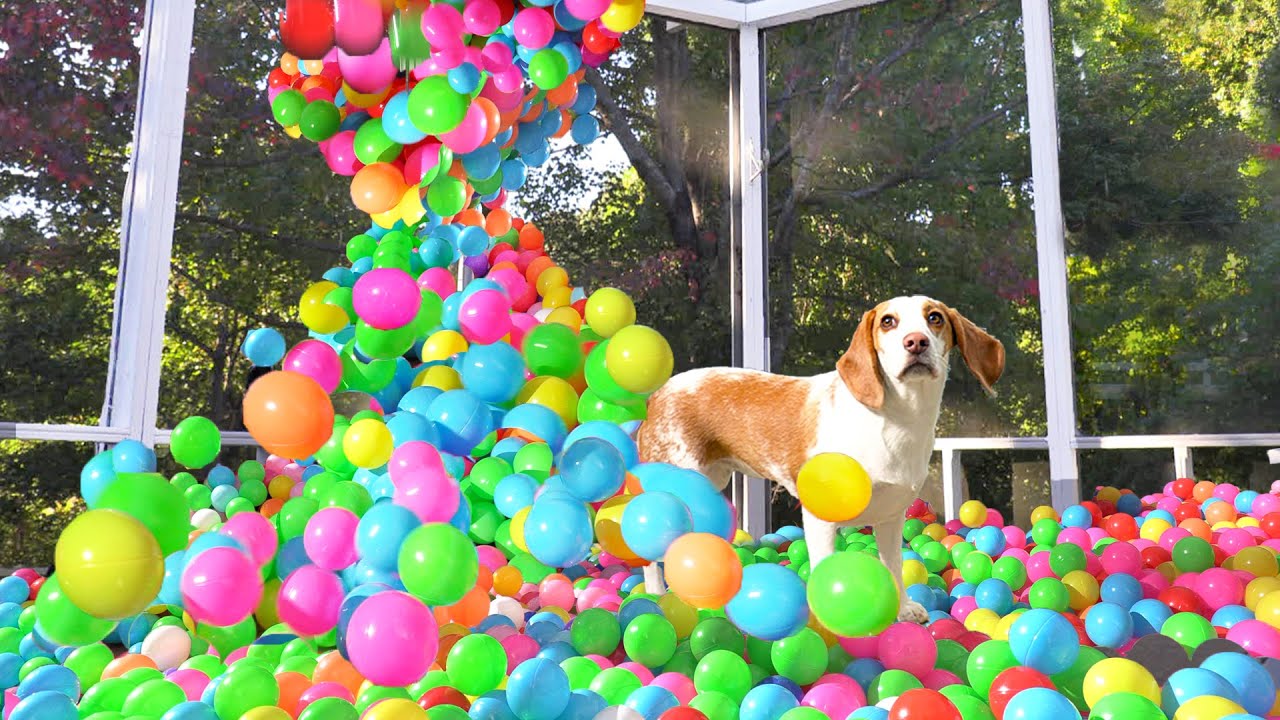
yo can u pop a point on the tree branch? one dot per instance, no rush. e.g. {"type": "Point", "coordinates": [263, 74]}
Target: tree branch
{"type": "Point", "coordinates": [246, 229]}
{"type": "Point", "coordinates": [648, 168]}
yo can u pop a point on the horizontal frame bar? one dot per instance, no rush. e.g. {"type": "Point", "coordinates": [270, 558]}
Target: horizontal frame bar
{"type": "Point", "coordinates": [52, 432]}
{"type": "Point", "coordinates": [1141, 442]}
{"type": "Point", "coordinates": [761, 13]}
{"type": "Point", "coordinates": [230, 438]}
{"type": "Point", "coordinates": [718, 13]}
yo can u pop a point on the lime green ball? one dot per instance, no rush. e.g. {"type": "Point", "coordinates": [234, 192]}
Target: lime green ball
{"type": "Point", "coordinates": [1049, 594]}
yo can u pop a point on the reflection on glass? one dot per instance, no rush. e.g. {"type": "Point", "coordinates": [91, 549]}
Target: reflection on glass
{"type": "Point", "coordinates": [899, 164]}
{"type": "Point", "coordinates": [1170, 177]}
{"type": "Point", "coordinates": [69, 80]}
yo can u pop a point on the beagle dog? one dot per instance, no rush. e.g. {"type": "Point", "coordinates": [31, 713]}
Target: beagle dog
{"type": "Point", "coordinates": [880, 406]}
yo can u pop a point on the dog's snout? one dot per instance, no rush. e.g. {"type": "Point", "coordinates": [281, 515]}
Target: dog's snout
{"type": "Point", "coordinates": [916, 343]}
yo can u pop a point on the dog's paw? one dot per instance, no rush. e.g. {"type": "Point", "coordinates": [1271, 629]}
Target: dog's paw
{"type": "Point", "coordinates": [913, 612]}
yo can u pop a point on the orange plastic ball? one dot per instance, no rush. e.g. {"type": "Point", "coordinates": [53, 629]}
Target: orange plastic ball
{"type": "Point", "coordinates": [377, 188]}
{"type": "Point", "coordinates": [289, 414]}
{"type": "Point", "coordinates": [703, 570]}
{"type": "Point", "coordinates": [332, 667]}
{"type": "Point", "coordinates": [507, 581]}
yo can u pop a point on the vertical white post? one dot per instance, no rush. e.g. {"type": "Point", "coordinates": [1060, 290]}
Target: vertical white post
{"type": "Point", "coordinates": [952, 483]}
{"type": "Point", "coordinates": [1183, 466]}
{"type": "Point", "coordinates": [146, 222]}
{"type": "Point", "coordinates": [1051, 253]}
{"type": "Point", "coordinates": [755, 506]}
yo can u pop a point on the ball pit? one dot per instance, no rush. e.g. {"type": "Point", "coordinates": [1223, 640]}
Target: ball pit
{"type": "Point", "coordinates": [454, 517]}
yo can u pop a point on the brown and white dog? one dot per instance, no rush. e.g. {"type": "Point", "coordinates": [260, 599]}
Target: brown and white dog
{"type": "Point", "coordinates": [880, 406]}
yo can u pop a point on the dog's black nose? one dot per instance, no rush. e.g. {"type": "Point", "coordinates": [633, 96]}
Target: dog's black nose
{"type": "Point", "coordinates": [916, 343]}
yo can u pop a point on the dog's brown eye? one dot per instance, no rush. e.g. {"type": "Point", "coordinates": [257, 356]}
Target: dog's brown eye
{"type": "Point", "coordinates": [935, 318]}
{"type": "Point", "coordinates": [888, 322]}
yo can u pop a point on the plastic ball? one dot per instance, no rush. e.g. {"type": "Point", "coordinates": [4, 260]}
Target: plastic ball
{"type": "Point", "coordinates": [639, 359]}
{"type": "Point", "coordinates": [109, 564]}
{"type": "Point", "coordinates": [852, 594]}
{"type": "Point", "coordinates": [195, 442]}
{"type": "Point", "coordinates": [289, 414]}
{"type": "Point", "coordinates": [834, 487]}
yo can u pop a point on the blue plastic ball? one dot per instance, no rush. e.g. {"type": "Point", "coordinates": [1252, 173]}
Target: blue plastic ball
{"type": "Point", "coordinates": [45, 705]}
{"type": "Point", "coordinates": [1044, 640]}
{"type": "Point", "coordinates": [1109, 625]}
{"type": "Point", "coordinates": [514, 493]}
{"type": "Point", "coordinates": [55, 678]}
{"type": "Point", "coordinates": [96, 475]}
{"type": "Point", "coordinates": [558, 530]}
{"type": "Point", "coordinates": [14, 590]}
{"type": "Point", "coordinates": [1190, 683]}
{"type": "Point", "coordinates": [767, 702]}
{"type": "Point", "coordinates": [994, 594]}
{"type": "Point", "coordinates": [592, 469]}
{"type": "Point", "coordinates": [1228, 615]}
{"type": "Point", "coordinates": [538, 689]}
{"type": "Point", "coordinates": [771, 603]}
{"type": "Point", "coordinates": [653, 520]}
{"type": "Point", "coordinates": [132, 456]}
{"type": "Point", "coordinates": [264, 347]}
{"type": "Point", "coordinates": [462, 419]}
{"type": "Point", "coordinates": [711, 512]}
{"type": "Point", "coordinates": [634, 609]}
{"type": "Point", "coordinates": [651, 701]}
{"type": "Point", "coordinates": [583, 705]}
{"type": "Point", "coordinates": [381, 530]}
{"type": "Point", "coordinates": [1253, 684]}
{"type": "Point", "coordinates": [190, 710]}
{"type": "Point", "coordinates": [492, 706]}
{"type": "Point", "coordinates": [1039, 703]}
{"type": "Point", "coordinates": [1077, 516]}
{"type": "Point", "coordinates": [1121, 589]}
{"type": "Point", "coordinates": [493, 373]}
{"type": "Point", "coordinates": [1149, 616]}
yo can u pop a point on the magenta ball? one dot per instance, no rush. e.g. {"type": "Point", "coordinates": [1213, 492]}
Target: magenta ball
{"type": "Point", "coordinates": [835, 701]}
{"type": "Point", "coordinates": [1256, 637]}
{"type": "Point", "coordinates": [439, 281]}
{"type": "Point", "coordinates": [340, 153]}
{"type": "Point", "coordinates": [317, 360]}
{"type": "Point", "coordinates": [413, 457]}
{"type": "Point", "coordinates": [680, 685]}
{"type": "Point", "coordinates": [255, 533]}
{"type": "Point", "coordinates": [386, 298]}
{"type": "Point", "coordinates": [392, 639]}
{"type": "Point", "coordinates": [221, 586]}
{"type": "Point", "coordinates": [330, 538]}
{"type": "Point", "coordinates": [368, 73]}
{"type": "Point", "coordinates": [443, 26]}
{"type": "Point", "coordinates": [534, 27]}
{"type": "Point", "coordinates": [192, 681]}
{"type": "Point", "coordinates": [908, 647]}
{"type": "Point", "coordinates": [587, 9]}
{"type": "Point", "coordinates": [431, 495]}
{"type": "Point", "coordinates": [309, 600]}
{"type": "Point", "coordinates": [485, 317]}
{"type": "Point", "coordinates": [481, 17]}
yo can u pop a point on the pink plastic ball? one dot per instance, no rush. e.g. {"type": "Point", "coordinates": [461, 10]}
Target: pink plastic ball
{"type": "Point", "coordinates": [414, 456]}
{"type": "Point", "coordinates": [519, 648]}
{"type": "Point", "coordinates": [1169, 504]}
{"type": "Point", "coordinates": [309, 600]}
{"type": "Point", "coordinates": [994, 518]}
{"type": "Point", "coordinates": [330, 538]}
{"type": "Point", "coordinates": [358, 25]}
{"type": "Point", "coordinates": [431, 495]}
{"type": "Point", "coordinates": [865, 647]}
{"type": "Point", "coordinates": [557, 594]}
{"type": "Point", "coordinates": [324, 690]}
{"type": "Point", "coordinates": [1226, 491]}
{"type": "Point", "coordinates": [481, 17]}
{"type": "Point", "coordinates": [485, 316]}
{"type": "Point", "coordinates": [587, 10]}
{"type": "Point", "coordinates": [490, 556]}
{"type": "Point", "coordinates": [1075, 536]}
{"type": "Point", "coordinates": [679, 685]}
{"type": "Point", "coordinates": [1233, 540]}
{"type": "Point", "coordinates": [1219, 588]}
{"type": "Point", "coordinates": [909, 647]}
{"type": "Point", "coordinates": [1121, 557]}
{"type": "Point", "coordinates": [1256, 637]}
{"type": "Point", "coordinates": [1264, 505]}
{"type": "Point", "coordinates": [317, 360]}
{"type": "Point", "coordinates": [1153, 583]}
{"type": "Point", "coordinates": [368, 73]}
{"type": "Point", "coordinates": [221, 586]}
{"type": "Point", "coordinates": [439, 281]}
{"type": "Point", "coordinates": [1038, 567]}
{"type": "Point", "coordinates": [392, 639]}
{"type": "Point", "coordinates": [192, 681]}
{"type": "Point", "coordinates": [386, 298]}
{"type": "Point", "coordinates": [640, 671]}
{"type": "Point", "coordinates": [255, 533]}
{"type": "Point", "coordinates": [534, 27]}
{"type": "Point", "coordinates": [835, 701]}
{"type": "Point", "coordinates": [470, 133]}
{"type": "Point", "coordinates": [1014, 536]}
{"type": "Point", "coordinates": [340, 153]}
{"type": "Point", "coordinates": [1170, 537]}
{"type": "Point", "coordinates": [443, 26]}
{"type": "Point", "coordinates": [963, 606]}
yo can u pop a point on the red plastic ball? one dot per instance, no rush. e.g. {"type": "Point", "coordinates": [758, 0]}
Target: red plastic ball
{"type": "Point", "coordinates": [1011, 682]}
{"type": "Point", "coordinates": [1155, 556]}
{"type": "Point", "coordinates": [1121, 526]}
{"type": "Point", "coordinates": [1182, 599]}
{"type": "Point", "coordinates": [682, 713]}
{"type": "Point", "coordinates": [1187, 511]}
{"type": "Point", "coordinates": [1183, 487]}
{"type": "Point", "coordinates": [1271, 524]}
{"type": "Point", "coordinates": [922, 704]}
{"type": "Point", "coordinates": [443, 695]}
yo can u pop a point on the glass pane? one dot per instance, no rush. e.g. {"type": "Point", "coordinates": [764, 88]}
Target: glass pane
{"type": "Point", "coordinates": [260, 216]}
{"type": "Point", "coordinates": [39, 495]}
{"type": "Point", "coordinates": [651, 215]}
{"type": "Point", "coordinates": [1142, 471]}
{"type": "Point", "coordinates": [899, 165]}
{"type": "Point", "coordinates": [70, 80]}
{"type": "Point", "coordinates": [1169, 180]}
{"type": "Point", "coordinates": [1244, 467]}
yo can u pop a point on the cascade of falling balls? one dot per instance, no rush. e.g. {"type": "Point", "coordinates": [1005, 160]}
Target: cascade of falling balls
{"type": "Point", "coordinates": [453, 518]}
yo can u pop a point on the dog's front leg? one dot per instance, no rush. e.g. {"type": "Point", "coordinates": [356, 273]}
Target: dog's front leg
{"type": "Point", "coordinates": [819, 537]}
{"type": "Point", "coordinates": [889, 541]}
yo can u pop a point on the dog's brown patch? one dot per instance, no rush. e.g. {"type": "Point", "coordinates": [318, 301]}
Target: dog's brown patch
{"type": "Point", "coordinates": [982, 353]}
{"type": "Point", "coordinates": [859, 368]}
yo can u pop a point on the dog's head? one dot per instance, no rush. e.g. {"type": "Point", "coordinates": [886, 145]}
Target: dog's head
{"type": "Point", "coordinates": [906, 341]}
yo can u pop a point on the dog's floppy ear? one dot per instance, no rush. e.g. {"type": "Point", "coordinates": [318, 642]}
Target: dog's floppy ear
{"type": "Point", "coordinates": [859, 367]}
{"type": "Point", "coordinates": [982, 353]}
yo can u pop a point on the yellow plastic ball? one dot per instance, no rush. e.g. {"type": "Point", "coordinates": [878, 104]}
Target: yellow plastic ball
{"type": "Point", "coordinates": [517, 528]}
{"type": "Point", "coordinates": [410, 206]}
{"type": "Point", "coordinates": [507, 581]}
{"type": "Point", "coordinates": [1168, 570]}
{"type": "Point", "coordinates": [551, 278]}
{"type": "Point", "coordinates": [368, 443]}
{"type": "Point", "coordinates": [1248, 521]}
{"type": "Point", "coordinates": [1113, 675]}
{"type": "Point", "coordinates": [1259, 588]}
{"type": "Point", "coordinates": [741, 536]}
{"type": "Point", "coordinates": [935, 531]}
{"type": "Point", "coordinates": [1109, 494]}
{"type": "Point", "coordinates": [1257, 561]}
{"type": "Point", "coordinates": [443, 345]}
{"type": "Point", "coordinates": [109, 564]}
{"type": "Point", "coordinates": [914, 573]}
{"type": "Point", "coordinates": [1082, 589]}
{"type": "Point", "coordinates": [566, 316]}
{"type": "Point", "coordinates": [1043, 512]}
{"type": "Point", "coordinates": [557, 297]}
{"type": "Point", "coordinates": [267, 613]}
{"type": "Point", "coordinates": [1153, 528]}
{"type": "Point", "coordinates": [1267, 609]}
{"type": "Point", "coordinates": [608, 525]}
{"type": "Point", "coordinates": [316, 314]}
{"type": "Point", "coordinates": [1207, 707]}
{"type": "Point", "coordinates": [1006, 624]}
{"type": "Point", "coordinates": [289, 63]}
{"type": "Point", "coordinates": [442, 377]}
{"type": "Point", "coordinates": [387, 219]}
{"type": "Point", "coordinates": [639, 359]}
{"type": "Point", "coordinates": [553, 393]}
{"type": "Point", "coordinates": [395, 709]}
{"type": "Point", "coordinates": [279, 487]}
{"type": "Point", "coordinates": [682, 616]}
{"type": "Point", "coordinates": [834, 487]}
{"type": "Point", "coordinates": [982, 620]}
{"type": "Point", "coordinates": [973, 514]}
{"type": "Point", "coordinates": [270, 712]}
{"type": "Point", "coordinates": [609, 310]}
{"type": "Point", "coordinates": [623, 15]}
{"type": "Point", "coordinates": [293, 131]}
